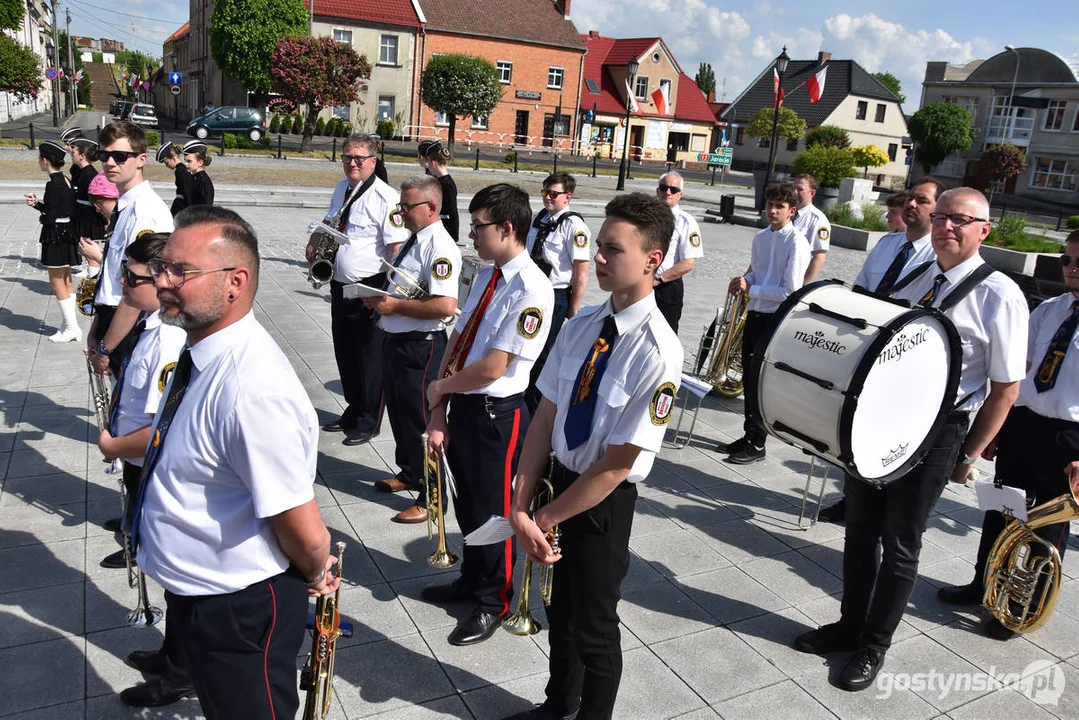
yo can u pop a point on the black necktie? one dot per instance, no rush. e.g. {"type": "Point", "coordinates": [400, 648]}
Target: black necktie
{"type": "Point", "coordinates": [114, 404]}
{"type": "Point", "coordinates": [892, 273]}
{"type": "Point", "coordinates": [578, 425]}
{"type": "Point", "coordinates": [1054, 355]}
{"type": "Point", "coordinates": [929, 297]}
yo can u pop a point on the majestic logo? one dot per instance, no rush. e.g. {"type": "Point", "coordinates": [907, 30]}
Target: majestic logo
{"type": "Point", "coordinates": [817, 341]}
{"type": "Point", "coordinates": [894, 455]}
{"type": "Point", "coordinates": [695, 239]}
{"type": "Point", "coordinates": [902, 343]}
{"type": "Point", "coordinates": [662, 404]}
{"type": "Point", "coordinates": [442, 268]}
{"type": "Point", "coordinates": [530, 322]}
{"type": "Point", "coordinates": [580, 239]}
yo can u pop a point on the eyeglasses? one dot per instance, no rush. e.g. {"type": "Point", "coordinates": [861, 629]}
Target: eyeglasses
{"type": "Point", "coordinates": [406, 207]}
{"type": "Point", "coordinates": [1067, 260]}
{"type": "Point", "coordinates": [957, 219]}
{"type": "Point", "coordinates": [474, 227]}
{"type": "Point", "coordinates": [130, 278]}
{"type": "Point", "coordinates": [358, 159]}
{"type": "Point", "coordinates": [175, 273]}
{"type": "Point", "coordinates": [673, 189]}
{"type": "Point", "coordinates": [552, 194]}
{"type": "Point", "coordinates": [117, 156]}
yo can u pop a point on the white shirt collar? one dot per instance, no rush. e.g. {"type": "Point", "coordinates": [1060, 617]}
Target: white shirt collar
{"type": "Point", "coordinates": [131, 195]}
{"type": "Point", "coordinates": [210, 347]}
{"type": "Point", "coordinates": [632, 316]}
{"type": "Point", "coordinates": [960, 271]}
{"type": "Point", "coordinates": [514, 266]}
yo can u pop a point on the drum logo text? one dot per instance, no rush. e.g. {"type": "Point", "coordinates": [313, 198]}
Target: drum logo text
{"type": "Point", "coordinates": [902, 344]}
{"type": "Point", "coordinates": [894, 455]}
{"type": "Point", "coordinates": [817, 341]}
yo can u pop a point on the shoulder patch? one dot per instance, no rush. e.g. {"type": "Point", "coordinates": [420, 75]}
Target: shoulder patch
{"type": "Point", "coordinates": [695, 239]}
{"type": "Point", "coordinates": [143, 233]}
{"type": "Point", "coordinates": [396, 218]}
{"type": "Point", "coordinates": [662, 404]}
{"type": "Point", "coordinates": [530, 322]}
{"type": "Point", "coordinates": [822, 233]}
{"type": "Point", "coordinates": [163, 377]}
{"type": "Point", "coordinates": [442, 268]}
{"type": "Point", "coordinates": [580, 239]}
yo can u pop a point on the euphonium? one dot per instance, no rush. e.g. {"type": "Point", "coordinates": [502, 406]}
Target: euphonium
{"type": "Point", "coordinates": [1022, 586]}
{"type": "Point", "coordinates": [725, 371]}
{"type": "Point", "coordinates": [316, 678]}
{"type": "Point", "coordinates": [521, 621]}
{"type": "Point", "coordinates": [412, 288]}
{"type": "Point", "coordinates": [84, 297]}
{"type": "Point", "coordinates": [432, 483]}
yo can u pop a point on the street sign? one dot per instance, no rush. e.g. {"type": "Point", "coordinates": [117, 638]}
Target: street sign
{"type": "Point", "coordinates": [174, 89]}
{"type": "Point", "coordinates": [175, 78]}
{"type": "Point", "coordinates": [722, 156]}
{"type": "Point", "coordinates": [50, 73]}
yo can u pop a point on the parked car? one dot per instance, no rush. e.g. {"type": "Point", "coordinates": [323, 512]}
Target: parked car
{"type": "Point", "coordinates": [123, 108]}
{"type": "Point", "coordinates": [144, 115]}
{"type": "Point", "coordinates": [229, 119]}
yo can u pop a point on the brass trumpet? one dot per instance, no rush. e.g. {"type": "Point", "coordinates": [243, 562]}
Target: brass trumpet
{"type": "Point", "coordinates": [725, 371]}
{"type": "Point", "coordinates": [521, 622]}
{"type": "Point", "coordinates": [316, 678]}
{"type": "Point", "coordinates": [432, 482]}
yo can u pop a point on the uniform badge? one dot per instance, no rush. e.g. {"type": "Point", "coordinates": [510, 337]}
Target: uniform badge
{"type": "Point", "coordinates": [580, 239]}
{"type": "Point", "coordinates": [530, 322]}
{"type": "Point", "coordinates": [442, 268]}
{"type": "Point", "coordinates": [822, 233]}
{"type": "Point", "coordinates": [695, 239]}
{"type": "Point", "coordinates": [662, 404]}
{"type": "Point", "coordinates": [396, 218]}
{"type": "Point", "coordinates": [163, 378]}
{"type": "Point", "coordinates": [143, 233]}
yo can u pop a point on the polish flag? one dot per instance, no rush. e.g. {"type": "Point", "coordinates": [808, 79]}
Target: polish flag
{"type": "Point", "coordinates": [777, 92]}
{"type": "Point", "coordinates": [632, 98]}
{"type": "Point", "coordinates": [815, 84]}
{"type": "Point", "coordinates": [662, 98]}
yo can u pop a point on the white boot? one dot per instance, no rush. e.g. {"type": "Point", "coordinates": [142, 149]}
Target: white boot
{"type": "Point", "coordinates": [69, 327]}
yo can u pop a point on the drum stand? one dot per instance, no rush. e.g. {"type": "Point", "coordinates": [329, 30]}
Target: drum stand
{"type": "Point", "coordinates": [694, 387]}
{"type": "Point", "coordinates": [805, 493]}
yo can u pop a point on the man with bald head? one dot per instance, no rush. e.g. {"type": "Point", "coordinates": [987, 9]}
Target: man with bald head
{"type": "Point", "coordinates": [226, 520]}
{"type": "Point", "coordinates": [990, 314]}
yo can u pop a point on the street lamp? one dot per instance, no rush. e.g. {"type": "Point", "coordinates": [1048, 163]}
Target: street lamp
{"type": "Point", "coordinates": [1009, 122]}
{"type": "Point", "coordinates": [175, 57]}
{"type": "Point", "coordinates": [781, 67]}
{"type": "Point", "coordinates": [634, 65]}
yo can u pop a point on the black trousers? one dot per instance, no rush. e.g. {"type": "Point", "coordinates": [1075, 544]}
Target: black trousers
{"type": "Point", "coordinates": [586, 645]}
{"type": "Point", "coordinates": [241, 648]}
{"type": "Point", "coordinates": [486, 435]}
{"type": "Point", "coordinates": [1032, 452]}
{"type": "Point", "coordinates": [357, 347]}
{"type": "Point", "coordinates": [757, 324]}
{"type": "Point", "coordinates": [558, 317]}
{"type": "Point", "coordinates": [414, 358]}
{"type": "Point", "coordinates": [669, 296]}
{"type": "Point", "coordinates": [893, 518]}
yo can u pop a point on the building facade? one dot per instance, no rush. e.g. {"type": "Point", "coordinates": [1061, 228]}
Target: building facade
{"type": "Point", "coordinates": [1041, 116]}
{"type": "Point", "coordinates": [205, 83]}
{"type": "Point", "coordinates": [35, 32]}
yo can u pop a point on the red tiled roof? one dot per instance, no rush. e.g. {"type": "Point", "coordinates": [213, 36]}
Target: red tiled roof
{"type": "Point", "coordinates": [534, 21]}
{"type": "Point", "coordinates": [387, 12]}
{"type": "Point", "coordinates": [184, 29]}
{"type": "Point", "coordinates": [691, 103]}
{"type": "Point", "coordinates": [717, 108]}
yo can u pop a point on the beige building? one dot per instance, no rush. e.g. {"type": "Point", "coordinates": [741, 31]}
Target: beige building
{"type": "Point", "coordinates": [35, 32]}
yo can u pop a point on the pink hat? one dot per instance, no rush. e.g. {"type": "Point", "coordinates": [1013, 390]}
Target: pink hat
{"type": "Point", "coordinates": [101, 186]}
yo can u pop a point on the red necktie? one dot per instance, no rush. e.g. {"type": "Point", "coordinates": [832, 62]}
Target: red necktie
{"type": "Point", "coordinates": [468, 335]}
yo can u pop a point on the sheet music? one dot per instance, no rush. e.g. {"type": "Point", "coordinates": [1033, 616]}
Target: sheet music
{"type": "Point", "coordinates": [495, 530]}
{"type": "Point", "coordinates": [695, 386]}
{"type": "Point", "coordinates": [1008, 500]}
{"type": "Point", "coordinates": [359, 290]}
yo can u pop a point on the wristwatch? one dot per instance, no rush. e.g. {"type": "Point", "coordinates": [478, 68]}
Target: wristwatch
{"type": "Point", "coordinates": [101, 348]}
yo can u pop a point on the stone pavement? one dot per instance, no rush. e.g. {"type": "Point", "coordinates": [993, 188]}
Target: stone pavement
{"type": "Point", "coordinates": [720, 581]}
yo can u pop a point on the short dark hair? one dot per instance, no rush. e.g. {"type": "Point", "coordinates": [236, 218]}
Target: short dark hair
{"type": "Point", "coordinates": [568, 183]}
{"type": "Point", "coordinates": [650, 215]}
{"type": "Point", "coordinates": [930, 180]}
{"type": "Point", "coordinates": [808, 178]}
{"type": "Point", "coordinates": [148, 247]}
{"type": "Point", "coordinates": [898, 199]}
{"type": "Point", "coordinates": [235, 231]}
{"type": "Point", "coordinates": [123, 129]}
{"type": "Point", "coordinates": [505, 203]}
{"type": "Point", "coordinates": [781, 193]}
{"type": "Point", "coordinates": [1073, 236]}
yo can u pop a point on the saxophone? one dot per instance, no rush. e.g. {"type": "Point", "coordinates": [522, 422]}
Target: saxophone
{"type": "Point", "coordinates": [326, 628]}
{"type": "Point", "coordinates": [329, 240]}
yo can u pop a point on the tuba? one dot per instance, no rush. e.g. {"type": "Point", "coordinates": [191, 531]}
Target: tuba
{"type": "Point", "coordinates": [432, 482]}
{"type": "Point", "coordinates": [84, 297]}
{"type": "Point", "coordinates": [521, 621]}
{"type": "Point", "coordinates": [329, 239]}
{"type": "Point", "coordinates": [725, 371]}
{"type": "Point", "coordinates": [1023, 572]}
{"type": "Point", "coordinates": [316, 678]}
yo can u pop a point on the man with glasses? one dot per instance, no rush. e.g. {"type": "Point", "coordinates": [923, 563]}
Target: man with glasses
{"type": "Point", "coordinates": [682, 256]}
{"type": "Point", "coordinates": [1038, 445]}
{"type": "Point", "coordinates": [141, 211]}
{"type": "Point", "coordinates": [558, 243]}
{"type": "Point", "coordinates": [375, 232]}
{"type": "Point", "coordinates": [990, 314]}
{"type": "Point", "coordinates": [421, 303]}
{"type": "Point", "coordinates": [812, 223]}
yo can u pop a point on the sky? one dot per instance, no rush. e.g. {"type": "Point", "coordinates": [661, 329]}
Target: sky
{"type": "Point", "coordinates": [741, 40]}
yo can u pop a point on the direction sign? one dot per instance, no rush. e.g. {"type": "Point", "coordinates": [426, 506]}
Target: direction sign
{"type": "Point", "coordinates": [722, 156]}
{"type": "Point", "coordinates": [50, 73]}
{"type": "Point", "coordinates": [176, 78]}
{"type": "Point", "coordinates": [174, 89]}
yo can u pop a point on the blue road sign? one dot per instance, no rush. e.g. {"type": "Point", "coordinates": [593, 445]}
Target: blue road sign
{"type": "Point", "coordinates": [175, 78]}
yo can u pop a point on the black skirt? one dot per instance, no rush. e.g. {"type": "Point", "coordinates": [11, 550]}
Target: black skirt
{"type": "Point", "coordinates": [87, 222]}
{"type": "Point", "coordinates": [58, 246]}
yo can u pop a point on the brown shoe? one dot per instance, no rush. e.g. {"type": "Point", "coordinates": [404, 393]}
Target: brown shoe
{"type": "Point", "coordinates": [414, 514]}
{"type": "Point", "coordinates": [391, 486]}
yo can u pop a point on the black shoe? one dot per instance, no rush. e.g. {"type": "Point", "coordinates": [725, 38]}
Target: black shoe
{"type": "Point", "coordinates": [157, 692]}
{"type": "Point", "coordinates": [358, 438]}
{"type": "Point", "coordinates": [115, 561]}
{"type": "Point", "coordinates": [151, 662]}
{"type": "Point", "coordinates": [453, 592]}
{"type": "Point", "coordinates": [835, 513]}
{"type": "Point", "coordinates": [747, 455]}
{"type": "Point", "coordinates": [995, 630]}
{"type": "Point", "coordinates": [338, 425]}
{"type": "Point", "coordinates": [542, 713]}
{"type": "Point", "coordinates": [861, 670]}
{"type": "Point", "coordinates": [827, 639]}
{"type": "Point", "coordinates": [477, 628]}
{"type": "Point", "coordinates": [961, 594]}
{"type": "Point", "coordinates": [112, 525]}
{"type": "Point", "coordinates": [731, 447]}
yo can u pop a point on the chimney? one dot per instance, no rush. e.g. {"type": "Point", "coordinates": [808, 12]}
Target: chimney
{"type": "Point", "coordinates": [593, 33]}
{"type": "Point", "coordinates": [563, 5]}
{"type": "Point", "coordinates": [823, 57]}
{"type": "Point", "coordinates": [711, 96]}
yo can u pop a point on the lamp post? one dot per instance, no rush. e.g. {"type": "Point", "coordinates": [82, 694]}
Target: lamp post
{"type": "Point", "coordinates": [634, 65]}
{"type": "Point", "coordinates": [781, 67]}
{"type": "Point", "coordinates": [1009, 122]}
{"type": "Point", "coordinates": [175, 57]}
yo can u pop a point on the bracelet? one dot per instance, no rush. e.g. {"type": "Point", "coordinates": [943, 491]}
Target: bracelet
{"type": "Point", "coordinates": [317, 581]}
{"type": "Point", "coordinates": [101, 348]}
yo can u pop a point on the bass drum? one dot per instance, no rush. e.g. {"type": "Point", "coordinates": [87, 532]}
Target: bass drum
{"type": "Point", "coordinates": [470, 268]}
{"type": "Point", "coordinates": [859, 380]}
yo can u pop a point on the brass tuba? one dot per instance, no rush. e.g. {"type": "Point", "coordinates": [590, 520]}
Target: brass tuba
{"type": "Point", "coordinates": [1023, 572]}
{"type": "Point", "coordinates": [432, 482]}
{"type": "Point", "coordinates": [521, 621]}
{"type": "Point", "coordinates": [725, 371]}
{"type": "Point", "coordinates": [316, 678]}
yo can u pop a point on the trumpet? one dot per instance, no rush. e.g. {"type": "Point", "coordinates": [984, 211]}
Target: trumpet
{"type": "Point", "coordinates": [144, 614]}
{"type": "Point", "coordinates": [101, 396]}
{"type": "Point", "coordinates": [432, 482]}
{"type": "Point", "coordinates": [316, 678]}
{"type": "Point", "coordinates": [521, 621]}
{"type": "Point", "coordinates": [412, 288]}
{"type": "Point", "coordinates": [725, 371]}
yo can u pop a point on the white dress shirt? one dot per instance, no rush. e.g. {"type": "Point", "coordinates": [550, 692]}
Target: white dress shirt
{"type": "Point", "coordinates": [685, 243]}
{"type": "Point", "coordinates": [816, 227]}
{"type": "Point", "coordinates": [241, 449]}
{"type": "Point", "coordinates": [1062, 400]}
{"type": "Point", "coordinates": [566, 244]}
{"type": "Point", "coordinates": [434, 259]}
{"type": "Point", "coordinates": [779, 259]}
{"type": "Point", "coordinates": [885, 251]}
{"type": "Point", "coordinates": [141, 211]}
{"type": "Point", "coordinates": [637, 391]}
{"type": "Point", "coordinates": [373, 226]}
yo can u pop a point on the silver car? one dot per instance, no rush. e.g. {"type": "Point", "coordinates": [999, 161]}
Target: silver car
{"type": "Point", "coordinates": [143, 114]}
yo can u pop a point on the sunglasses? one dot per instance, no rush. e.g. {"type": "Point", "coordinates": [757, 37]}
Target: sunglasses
{"type": "Point", "coordinates": [358, 159]}
{"type": "Point", "coordinates": [117, 156]}
{"type": "Point", "coordinates": [957, 219]}
{"type": "Point", "coordinates": [132, 279]}
{"type": "Point", "coordinates": [672, 189]}
{"type": "Point", "coordinates": [553, 193]}
{"type": "Point", "coordinates": [1068, 260]}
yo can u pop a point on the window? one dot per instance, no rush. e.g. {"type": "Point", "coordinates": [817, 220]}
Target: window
{"type": "Point", "coordinates": [792, 145]}
{"type": "Point", "coordinates": [479, 123]}
{"type": "Point", "coordinates": [881, 109]}
{"type": "Point", "coordinates": [1054, 174]}
{"type": "Point", "coordinates": [862, 111]}
{"type": "Point", "coordinates": [441, 119]}
{"type": "Point", "coordinates": [968, 103]}
{"type": "Point", "coordinates": [1009, 123]}
{"type": "Point", "coordinates": [740, 136]}
{"type": "Point", "coordinates": [343, 36]}
{"type": "Point", "coordinates": [387, 50]}
{"type": "Point", "coordinates": [893, 149]}
{"type": "Point", "coordinates": [764, 142]}
{"type": "Point", "coordinates": [341, 111]}
{"type": "Point", "coordinates": [952, 166]}
{"type": "Point", "coordinates": [1054, 115]}
{"type": "Point", "coordinates": [1075, 122]}
{"type": "Point", "coordinates": [386, 105]}
{"type": "Point", "coordinates": [554, 78]}
{"type": "Point", "coordinates": [641, 89]}
{"type": "Point", "coordinates": [505, 72]}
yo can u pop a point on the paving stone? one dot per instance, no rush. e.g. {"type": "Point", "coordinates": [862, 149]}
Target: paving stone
{"type": "Point", "coordinates": [717, 664]}
{"type": "Point", "coordinates": [63, 711]}
{"type": "Point", "coordinates": [785, 699]}
{"type": "Point", "coordinates": [33, 616]}
{"type": "Point", "coordinates": [678, 553]}
{"type": "Point", "coordinates": [388, 675]}
{"type": "Point", "coordinates": [500, 658]}
{"type": "Point", "coordinates": [650, 690]}
{"type": "Point", "coordinates": [662, 611]}
{"type": "Point", "coordinates": [933, 672]}
{"type": "Point", "coordinates": [739, 541]}
{"type": "Point", "coordinates": [32, 684]}
{"type": "Point", "coordinates": [772, 636]}
{"type": "Point", "coordinates": [1002, 703]}
{"type": "Point", "coordinates": [495, 702]}
{"type": "Point", "coordinates": [28, 566]}
{"type": "Point", "coordinates": [46, 523]}
{"type": "Point", "coordinates": [792, 576]}
{"type": "Point", "coordinates": [730, 595]}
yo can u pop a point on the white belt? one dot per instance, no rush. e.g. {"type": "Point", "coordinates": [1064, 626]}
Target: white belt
{"type": "Point", "coordinates": [61, 221]}
{"type": "Point", "coordinates": [85, 202]}
{"type": "Point", "coordinates": [179, 196]}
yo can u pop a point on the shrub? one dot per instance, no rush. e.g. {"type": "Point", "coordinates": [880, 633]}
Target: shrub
{"type": "Point", "coordinates": [511, 156]}
{"type": "Point", "coordinates": [386, 128]}
{"type": "Point", "coordinates": [346, 129]}
{"type": "Point", "coordinates": [828, 136]}
{"type": "Point", "coordinates": [1072, 223]}
{"type": "Point", "coordinates": [297, 125]}
{"type": "Point", "coordinates": [872, 216]}
{"type": "Point", "coordinates": [228, 141]}
{"type": "Point", "coordinates": [1008, 230]}
{"type": "Point", "coordinates": [285, 126]}
{"type": "Point", "coordinates": [320, 127]}
{"type": "Point", "coordinates": [828, 164]}
{"type": "Point", "coordinates": [275, 124]}
{"type": "Point", "coordinates": [152, 138]}
{"type": "Point", "coordinates": [233, 142]}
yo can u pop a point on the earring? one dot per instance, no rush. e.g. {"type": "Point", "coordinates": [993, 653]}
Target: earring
{"type": "Point", "coordinates": [231, 296]}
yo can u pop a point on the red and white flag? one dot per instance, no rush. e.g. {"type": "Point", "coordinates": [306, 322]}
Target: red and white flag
{"type": "Point", "coordinates": [777, 91]}
{"type": "Point", "coordinates": [815, 84]}
{"type": "Point", "coordinates": [662, 98]}
{"type": "Point", "coordinates": [636, 106]}
{"type": "Point", "coordinates": [133, 81]}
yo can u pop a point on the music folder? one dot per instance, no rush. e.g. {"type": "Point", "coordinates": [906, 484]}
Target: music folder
{"type": "Point", "coordinates": [1008, 500]}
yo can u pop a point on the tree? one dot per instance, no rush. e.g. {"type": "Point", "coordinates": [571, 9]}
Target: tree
{"type": "Point", "coordinates": [11, 14]}
{"type": "Point", "coordinates": [317, 72]}
{"type": "Point", "coordinates": [939, 130]}
{"type": "Point", "coordinates": [867, 156]}
{"type": "Point", "coordinates": [20, 71]}
{"type": "Point", "coordinates": [892, 83]}
{"type": "Point", "coordinates": [460, 85]}
{"type": "Point", "coordinates": [791, 126]}
{"type": "Point", "coordinates": [828, 164]}
{"type": "Point", "coordinates": [1003, 162]}
{"type": "Point", "coordinates": [828, 136]}
{"type": "Point", "coordinates": [706, 78]}
{"type": "Point", "coordinates": [244, 34]}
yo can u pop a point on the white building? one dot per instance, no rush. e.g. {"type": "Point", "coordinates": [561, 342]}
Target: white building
{"type": "Point", "coordinates": [36, 34]}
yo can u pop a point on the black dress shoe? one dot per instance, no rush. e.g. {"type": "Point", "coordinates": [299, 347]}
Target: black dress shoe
{"type": "Point", "coordinates": [157, 692]}
{"type": "Point", "coordinates": [834, 513]}
{"type": "Point", "coordinates": [477, 628]}
{"type": "Point", "coordinates": [731, 447]}
{"type": "Point", "coordinates": [338, 425]}
{"type": "Point", "coordinates": [151, 662]}
{"type": "Point", "coordinates": [453, 592]}
{"type": "Point", "coordinates": [747, 455]}
{"type": "Point", "coordinates": [541, 712]}
{"type": "Point", "coordinates": [115, 561]}
{"type": "Point", "coordinates": [358, 438]}
{"type": "Point", "coordinates": [861, 670]}
{"type": "Point", "coordinates": [971, 594]}
{"type": "Point", "coordinates": [995, 630]}
{"type": "Point", "coordinates": [112, 525]}
{"type": "Point", "coordinates": [827, 639]}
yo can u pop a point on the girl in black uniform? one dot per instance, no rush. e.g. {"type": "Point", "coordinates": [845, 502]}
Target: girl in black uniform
{"type": "Point", "coordinates": [437, 157]}
{"type": "Point", "coordinates": [196, 159]}
{"type": "Point", "coordinates": [58, 244]}
{"type": "Point", "coordinates": [171, 156]}
{"type": "Point", "coordinates": [86, 223]}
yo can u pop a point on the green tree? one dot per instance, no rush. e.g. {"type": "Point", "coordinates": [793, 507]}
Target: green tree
{"type": "Point", "coordinates": [11, 14]}
{"type": "Point", "coordinates": [460, 85]}
{"type": "Point", "coordinates": [828, 136]}
{"type": "Point", "coordinates": [790, 127]}
{"type": "Point", "coordinates": [706, 78]}
{"type": "Point", "coordinates": [828, 164]}
{"type": "Point", "coordinates": [20, 72]}
{"type": "Point", "coordinates": [76, 55]}
{"type": "Point", "coordinates": [939, 130]}
{"type": "Point", "coordinates": [867, 156]}
{"type": "Point", "coordinates": [892, 83]}
{"type": "Point", "coordinates": [244, 34]}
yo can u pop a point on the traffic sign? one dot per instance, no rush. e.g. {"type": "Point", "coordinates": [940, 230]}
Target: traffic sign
{"type": "Point", "coordinates": [722, 156]}
{"type": "Point", "coordinates": [176, 78]}
{"type": "Point", "coordinates": [50, 73]}
{"type": "Point", "coordinates": [174, 89]}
